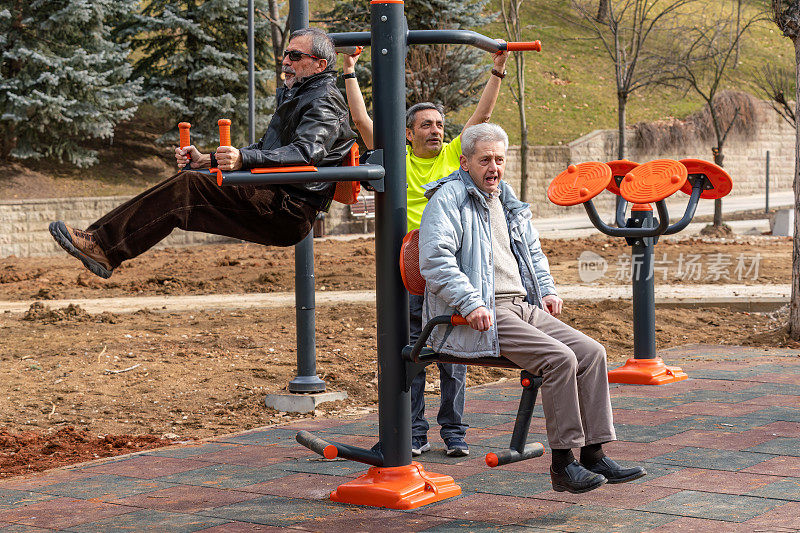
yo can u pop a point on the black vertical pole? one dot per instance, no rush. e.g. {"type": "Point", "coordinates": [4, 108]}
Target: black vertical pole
{"type": "Point", "coordinates": [251, 72]}
{"type": "Point", "coordinates": [307, 379]}
{"type": "Point", "coordinates": [389, 88]}
{"type": "Point", "coordinates": [644, 302]}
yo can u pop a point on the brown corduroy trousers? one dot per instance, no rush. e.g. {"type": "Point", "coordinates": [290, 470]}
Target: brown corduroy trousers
{"type": "Point", "coordinates": [265, 214]}
{"type": "Point", "coordinates": [575, 396]}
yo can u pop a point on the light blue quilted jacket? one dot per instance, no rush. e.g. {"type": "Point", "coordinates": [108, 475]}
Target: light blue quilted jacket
{"type": "Point", "coordinates": [455, 248]}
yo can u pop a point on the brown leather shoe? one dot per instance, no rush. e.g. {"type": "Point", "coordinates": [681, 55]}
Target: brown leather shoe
{"type": "Point", "coordinates": [84, 246]}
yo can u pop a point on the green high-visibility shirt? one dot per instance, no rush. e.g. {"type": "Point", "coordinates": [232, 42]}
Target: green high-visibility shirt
{"type": "Point", "coordinates": [420, 171]}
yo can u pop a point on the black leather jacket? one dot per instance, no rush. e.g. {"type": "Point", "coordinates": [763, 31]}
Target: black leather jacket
{"type": "Point", "coordinates": [311, 126]}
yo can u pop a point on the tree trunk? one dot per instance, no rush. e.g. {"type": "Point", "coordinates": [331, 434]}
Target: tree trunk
{"type": "Point", "coordinates": [718, 158]}
{"type": "Point", "coordinates": [794, 304]}
{"type": "Point", "coordinates": [276, 42]}
{"type": "Point", "coordinates": [523, 128]}
{"type": "Point", "coordinates": [602, 11]}
{"type": "Point", "coordinates": [622, 102]}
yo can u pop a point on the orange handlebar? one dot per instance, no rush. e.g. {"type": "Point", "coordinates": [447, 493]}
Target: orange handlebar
{"type": "Point", "coordinates": [224, 131]}
{"type": "Point", "coordinates": [458, 320]}
{"type": "Point", "coordinates": [521, 47]}
{"type": "Point", "coordinates": [183, 129]}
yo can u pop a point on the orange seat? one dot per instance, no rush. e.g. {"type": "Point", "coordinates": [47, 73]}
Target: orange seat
{"type": "Point", "coordinates": [347, 191]}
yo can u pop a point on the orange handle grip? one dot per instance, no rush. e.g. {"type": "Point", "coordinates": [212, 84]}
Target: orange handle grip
{"type": "Point", "coordinates": [224, 131]}
{"type": "Point", "coordinates": [521, 47]}
{"type": "Point", "coordinates": [183, 129]}
{"type": "Point", "coordinates": [458, 320]}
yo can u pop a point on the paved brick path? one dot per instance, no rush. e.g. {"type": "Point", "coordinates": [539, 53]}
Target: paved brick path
{"type": "Point", "coordinates": [722, 451]}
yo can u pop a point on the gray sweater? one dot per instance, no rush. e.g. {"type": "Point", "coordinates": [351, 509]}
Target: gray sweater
{"type": "Point", "coordinates": [507, 280]}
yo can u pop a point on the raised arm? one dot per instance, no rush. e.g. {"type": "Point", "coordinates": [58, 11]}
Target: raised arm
{"type": "Point", "coordinates": [355, 100]}
{"type": "Point", "coordinates": [483, 111]}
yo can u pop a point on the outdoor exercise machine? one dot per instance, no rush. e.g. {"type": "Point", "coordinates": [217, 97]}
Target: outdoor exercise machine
{"type": "Point", "coordinates": [393, 481]}
{"type": "Point", "coordinates": [641, 185]}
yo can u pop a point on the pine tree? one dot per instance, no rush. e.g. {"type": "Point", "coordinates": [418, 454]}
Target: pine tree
{"type": "Point", "coordinates": [194, 61]}
{"type": "Point", "coordinates": [62, 80]}
{"type": "Point", "coordinates": [450, 75]}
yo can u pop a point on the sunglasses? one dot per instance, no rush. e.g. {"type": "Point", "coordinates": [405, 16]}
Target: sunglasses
{"type": "Point", "coordinates": [297, 55]}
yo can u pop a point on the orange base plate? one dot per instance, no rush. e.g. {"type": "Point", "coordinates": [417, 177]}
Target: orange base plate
{"type": "Point", "coordinates": [399, 487]}
{"type": "Point", "coordinates": [646, 372]}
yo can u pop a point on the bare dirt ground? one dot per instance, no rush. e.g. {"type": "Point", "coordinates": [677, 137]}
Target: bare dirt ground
{"type": "Point", "coordinates": [79, 386]}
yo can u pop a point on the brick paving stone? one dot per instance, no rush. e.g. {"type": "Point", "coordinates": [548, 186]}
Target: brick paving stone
{"type": "Point", "coordinates": [538, 425]}
{"type": "Point", "coordinates": [637, 433]}
{"type": "Point", "coordinates": [701, 525]}
{"type": "Point", "coordinates": [777, 466]}
{"type": "Point", "coordinates": [334, 467]}
{"type": "Point", "coordinates": [713, 459]}
{"type": "Point", "coordinates": [781, 519]}
{"type": "Point", "coordinates": [501, 442]}
{"type": "Point", "coordinates": [460, 471]}
{"type": "Point", "coordinates": [243, 527]}
{"type": "Point", "coordinates": [714, 408]}
{"type": "Point", "coordinates": [645, 404]}
{"type": "Point", "coordinates": [506, 407]}
{"type": "Point", "coordinates": [43, 479]}
{"type": "Point", "coordinates": [783, 429]}
{"type": "Point", "coordinates": [304, 485]}
{"type": "Point", "coordinates": [484, 420]}
{"type": "Point", "coordinates": [599, 520]}
{"type": "Point", "coordinates": [784, 489]}
{"type": "Point", "coordinates": [718, 439]}
{"type": "Point", "coordinates": [620, 496]}
{"type": "Point", "coordinates": [11, 499]}
{"type": "Point", "coordinates": [622, 451]}
{"type": "Point", "coordinates": [714, 481]}
{"type": "Point", "coordinates": [275, 510]}
{"type": "Point", "coordinates": [225, 476]}
{"type": "Point", "coordinates": [262, 437]}
{"type": "Point", "coordinates": [774, 388]}
{"type": "Point", "coordinates": [19, 528]}
{"type": "Point", "coordinates": [365, 520]}
{"type": "Point", "coordinates": [60, 513]}
{"type": "Point", "coordinates": [190, 450]}
{"type": "Point", "coordinates": [655, 470]}
{"type": "Point", "coordinates": [506, 482]}
{"type": "Point", "coordinates": [104, 487]}
{"type": "Point", "coordinates": [735, 424]}
{"type": "Point", "coordinates": [492, 508]}
{"type": "Point", "coordinates": [145, 467]}
{"type": "Point", "coordinates": [779, 446]}
{"type": "Point", "coordinates": [773, 399]}
{"type": "Point", "coordinates": [152, 521]}
{"type": "Point", "coordinates": [460, 526]}
{"type": "Point", "coordinates": [779, 377]}
{"type": "Point", "coordinates": [727, 507]}
{"type": "Point", "coordinates": [647, 418]}
{"type": "Point", "coordinates": [249, 455]}
{"type": "Point", "coordinates": [369, 428]}
{"type": "Point", "coordinates": [185, 499]}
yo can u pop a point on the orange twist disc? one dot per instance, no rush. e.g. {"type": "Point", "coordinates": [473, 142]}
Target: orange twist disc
{"type": "Point", "coordinates": [620, 167]}
{"type": "Point", "coordinates": [579, 183]}
{"type": "Point", "coordinates": [720, 179]}
{"type": "Point", "coordinates": [653, 181]}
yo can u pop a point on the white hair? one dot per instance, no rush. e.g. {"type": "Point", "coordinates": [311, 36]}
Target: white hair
{"type": "Point", "coordinates": [484, 132]}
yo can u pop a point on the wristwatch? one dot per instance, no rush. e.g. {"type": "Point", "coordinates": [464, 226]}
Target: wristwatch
{"type": "Point", "coordinates": [499, 74]}
{"type": "Point", "coordinates": [348, 76]}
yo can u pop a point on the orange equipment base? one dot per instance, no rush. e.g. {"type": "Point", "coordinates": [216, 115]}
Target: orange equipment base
{"type": "Point", "coordinates": [646, 372]}
{"type": "Point", "coordinates": [398, 487]}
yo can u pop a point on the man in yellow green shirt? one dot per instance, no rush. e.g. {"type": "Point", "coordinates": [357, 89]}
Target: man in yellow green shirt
{"type": "Point", "coordinates": [429, 158]}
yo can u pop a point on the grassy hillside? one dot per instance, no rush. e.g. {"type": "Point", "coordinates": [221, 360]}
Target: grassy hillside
{"type": "Point", "coordinates": [570, 84]}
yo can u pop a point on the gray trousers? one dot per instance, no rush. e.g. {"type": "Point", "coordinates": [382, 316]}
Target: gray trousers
{"type": "Point", "coordinates": [575, 397]}
{"type": "Point", "coordinates": [452, 384]}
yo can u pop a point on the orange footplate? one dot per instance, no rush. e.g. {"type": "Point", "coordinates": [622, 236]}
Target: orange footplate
{"type": "Point", "coordinates": [398, 487]}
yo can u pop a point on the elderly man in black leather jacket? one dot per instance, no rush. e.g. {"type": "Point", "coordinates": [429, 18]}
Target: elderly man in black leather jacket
{"type": "Point", "coordinates": [311, 126]}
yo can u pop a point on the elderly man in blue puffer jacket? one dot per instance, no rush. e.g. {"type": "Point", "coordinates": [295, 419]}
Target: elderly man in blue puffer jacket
{"type": "Point", "coordinates": [481, 258]}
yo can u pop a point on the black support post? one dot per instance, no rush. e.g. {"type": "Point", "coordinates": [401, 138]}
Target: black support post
{"type": "Point", "coordinates": [644, 301]}
{"type": "Point", "coordinates": [307, 379]}
{"type": "Point", "coordinates": [388, 74]}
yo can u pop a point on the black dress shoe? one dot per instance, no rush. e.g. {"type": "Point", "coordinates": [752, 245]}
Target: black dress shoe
{"type": "Point", "coordinates": [615, 473]}
{"type": "Point", "coordinates": [575, 479]}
